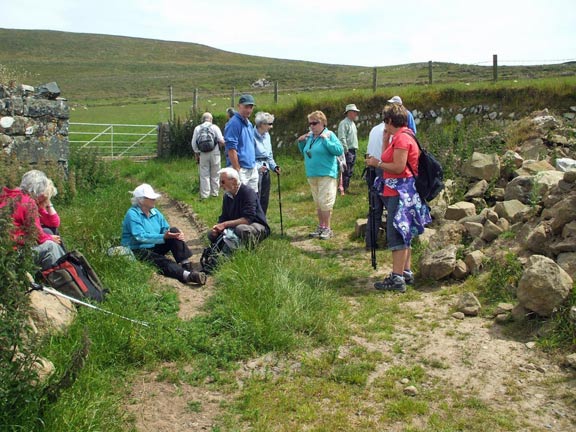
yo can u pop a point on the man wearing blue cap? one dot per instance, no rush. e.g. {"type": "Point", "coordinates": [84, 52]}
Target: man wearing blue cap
{"type": "Point", "coordinates": [240, 144]}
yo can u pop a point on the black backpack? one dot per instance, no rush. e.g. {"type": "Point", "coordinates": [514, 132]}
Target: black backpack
{"type": "Point", "coordinates": [206, 139]}
{"type": "Point", "coordinates": [74, 276]}
{"type": "Point", "coordinates": [430, 178]}
{"type": "Point", "coordinates": [223, 247]}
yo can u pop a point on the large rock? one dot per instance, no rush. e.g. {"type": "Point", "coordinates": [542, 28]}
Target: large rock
{"type": "Point", "coordinates": [483, 166]}
{"type": "Point", "coordinates": [513, 211]}
{"type": "Point", "coordinates": [450, 233]}
{"type": "Point", "coordinates": [438, 265]}
{"type": "Point", "coordinates": [477, 190]}
{"type": "Point", "coordinates": [533, 148]}
{"type": "Point", "coordinates": [491, 231]}
{"type": "Point", "coordinates": [474, 261]}
{"type": "Point", "coordinates": [51, 314]}
{"type": "Point", "coordinates": [563, 212]}
{"type": "Point", "coordinates": [460, 210]}
{"type": "Point", "coordinates": [532, 167]}
{"type": "Point", "coordinates": [544, 285]}
{"type": "Point", "coordinates": [519, 188]}
{"type": "Point", "coordinates": [544, 181]}
{"type": "Point", "coordinates": [567, 261]}
{"type": "Point", "coordinates": [539, 238]}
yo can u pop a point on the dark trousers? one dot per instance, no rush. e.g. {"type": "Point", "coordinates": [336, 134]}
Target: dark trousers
{"type": "Point", "coordinates": [264, 182]}
{"type": "Point", "coordinates": [350, 162]}
{"type": "Point", "coordinates": [157, 256]}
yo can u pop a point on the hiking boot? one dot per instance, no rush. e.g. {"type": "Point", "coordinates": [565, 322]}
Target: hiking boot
{"type": "Point", "coordinates": [186, 266]}
{"type": "Point", "coordinates": [393, 282]}
{"type": "Point", "coordinates": [408, 277]}
{"type": "Point", "coordinates": [197, 278]}
{"type": "Point", "coordinates": [326, 234]}
{"type": "Point", "coordinates": [316, 234]}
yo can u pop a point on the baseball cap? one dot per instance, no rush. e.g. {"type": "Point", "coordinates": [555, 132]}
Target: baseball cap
{"type": "Point", "coordinates": [145, 191]}
{"type": "Point", "coordinates": [395, 99]}
{"type": "Point", "coordinates": [246, 99]}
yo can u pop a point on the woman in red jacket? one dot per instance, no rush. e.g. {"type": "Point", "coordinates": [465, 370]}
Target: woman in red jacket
{"type": "Point", "coordinates": [26, 218]}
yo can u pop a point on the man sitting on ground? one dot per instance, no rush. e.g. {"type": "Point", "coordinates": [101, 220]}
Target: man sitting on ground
{"type": "Point", "coordinates": [241, 211]}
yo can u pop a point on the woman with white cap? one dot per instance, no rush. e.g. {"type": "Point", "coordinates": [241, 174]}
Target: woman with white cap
{"type": "Point", "coordinates": [147, 233]}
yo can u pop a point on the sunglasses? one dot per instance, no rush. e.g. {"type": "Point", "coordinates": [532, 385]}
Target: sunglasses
{"type": "Point", "coordinates": [313, 123]}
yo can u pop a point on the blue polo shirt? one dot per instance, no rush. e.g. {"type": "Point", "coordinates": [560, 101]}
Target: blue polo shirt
{"type": "Point", "coordinates": [239, 136]}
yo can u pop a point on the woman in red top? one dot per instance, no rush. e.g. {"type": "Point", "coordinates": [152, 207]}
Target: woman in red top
{"type": "Point", "coordinates": [407, 215]}
{"type": "Point", "coordinates": [26, 218]}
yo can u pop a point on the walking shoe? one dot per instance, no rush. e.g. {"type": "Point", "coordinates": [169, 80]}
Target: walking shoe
{"type": "Point", "coordinates": [393, 282]}
{"type": "Point", "coordinates": [408, 277]}
{"type": "Point", "coordinates": [326, 234]}
{"type": "Point", "coordinates": [316, 234]}
{"type": "Point", "coordinates": [197, 278]}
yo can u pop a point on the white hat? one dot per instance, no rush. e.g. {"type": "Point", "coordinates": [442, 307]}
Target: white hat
{"type": "Point", "coordinates": [145, 191]}
{"type": "Point", "coordinates": [351, 107]}
{"type": "Point", "coordinates": [395, 99]}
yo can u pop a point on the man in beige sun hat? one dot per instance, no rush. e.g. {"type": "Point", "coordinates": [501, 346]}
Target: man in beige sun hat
{"type": "Point", "coordinates": [348, 136]}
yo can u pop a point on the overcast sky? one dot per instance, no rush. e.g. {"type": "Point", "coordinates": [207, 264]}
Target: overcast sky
{"type": "Point", "coordinates": [350, 32]}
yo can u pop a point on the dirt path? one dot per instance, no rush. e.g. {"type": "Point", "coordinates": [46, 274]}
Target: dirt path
{"type": "Point", "coordinates": [471, 356]}
{"type": "Point", "coordinates": [160, 406]}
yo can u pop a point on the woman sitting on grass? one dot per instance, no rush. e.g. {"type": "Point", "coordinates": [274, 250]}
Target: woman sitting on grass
{"type": "Point", "coordinates": [26, 220]}
{"type": "Point", "coordinates": [147, 233]}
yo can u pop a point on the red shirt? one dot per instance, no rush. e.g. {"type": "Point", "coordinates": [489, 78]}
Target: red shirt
{"type": "Point", "coordinates": [401, 140]}
{"type": "Point", "coordinates": [24, 217]}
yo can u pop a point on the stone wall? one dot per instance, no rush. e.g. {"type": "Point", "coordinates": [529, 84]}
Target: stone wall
{"type": "Point", "coordinates": [34, 123]}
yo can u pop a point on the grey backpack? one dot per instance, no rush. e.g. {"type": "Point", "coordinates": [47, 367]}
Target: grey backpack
{"type": "Point", "coordinates": [206, 139]}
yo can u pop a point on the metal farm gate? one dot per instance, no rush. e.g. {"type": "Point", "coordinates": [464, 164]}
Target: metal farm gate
{"type": "Point", "coordinates": [114, 140]}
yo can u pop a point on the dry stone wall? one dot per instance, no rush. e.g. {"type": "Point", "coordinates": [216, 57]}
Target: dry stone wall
{"type": "Point", "coordinates": [34, 123]}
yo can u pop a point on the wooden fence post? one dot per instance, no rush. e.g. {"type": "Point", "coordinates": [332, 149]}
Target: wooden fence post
{"type": "Point", "coordinates": [171, 104]}
{"type": "Point", "coordinates": [233, 98]}
{"type": "Point", "coordinates": [430, 72]}
{"type": "Point", "coordinates": [374, 79]}
{"type": "Point", "coordinates": [195, 102]}
{"type": "Point", "coordinates": [276, 92]}
{"type": "Point", "coordinates": [495, 66]}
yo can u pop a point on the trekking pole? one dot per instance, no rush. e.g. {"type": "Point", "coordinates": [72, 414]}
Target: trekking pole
{"type": "Point", "coordinates": [280, 205]}
{"type": "Point", "coordinates": [372, 212]}
{"type": "Point", "coordinates": [39, 287]}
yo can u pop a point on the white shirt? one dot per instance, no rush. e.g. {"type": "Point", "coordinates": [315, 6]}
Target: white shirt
{"type": "Point", "coordinates": [375, 140]}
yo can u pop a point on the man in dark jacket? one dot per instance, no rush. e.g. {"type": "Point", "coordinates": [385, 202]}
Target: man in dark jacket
{"type": "Point", "coordinates": [241, 210]}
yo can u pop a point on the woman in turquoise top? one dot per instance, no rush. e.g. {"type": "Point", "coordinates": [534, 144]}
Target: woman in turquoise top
{"type": "Point", "coordinates": [147, 233]}
{"type": "Point", "coordinates": [321, 148]}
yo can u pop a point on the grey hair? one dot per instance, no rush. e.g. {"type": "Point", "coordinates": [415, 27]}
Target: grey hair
{"type": "Point", "coordinates": [207, 117]}
{"type": "Point", "coordinates": [263, 117]}
{"type": "Point", "coordinates": [35, 183]}
{"type": "Point", "coordinates": [230, 112]}
{"type": "Point", "coordinates": [137, 200]}
{"type": "Point", "coordinates": [230, 173]}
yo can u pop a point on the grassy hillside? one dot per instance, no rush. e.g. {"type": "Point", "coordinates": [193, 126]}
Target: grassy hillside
{"type": "Point", "coordinates": [91, 67]}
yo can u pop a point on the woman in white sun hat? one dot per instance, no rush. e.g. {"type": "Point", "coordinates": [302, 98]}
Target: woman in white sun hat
{"type": "Point", "coordinates": [147, 233]}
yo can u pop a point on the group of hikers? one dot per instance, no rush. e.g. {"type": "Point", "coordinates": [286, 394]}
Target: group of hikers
{"type": "Point", "coordinates": [329, 159]}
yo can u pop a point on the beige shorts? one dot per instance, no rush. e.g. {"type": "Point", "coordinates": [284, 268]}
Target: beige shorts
{"type": "Point", "coordinates": [323, 192]}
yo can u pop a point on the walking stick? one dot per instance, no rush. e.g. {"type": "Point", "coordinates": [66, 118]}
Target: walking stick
{"type": "Point", "coordinates": [370, 175]}
{"type": "Point", "coordinates": [280, 205]}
